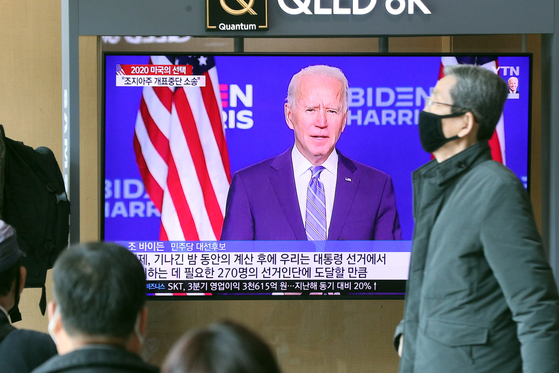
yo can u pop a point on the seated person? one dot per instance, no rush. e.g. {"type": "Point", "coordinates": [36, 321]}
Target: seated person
{"type": "Point", "coordinates": [224, 347]}
{"type": "Point", "coordinates": [98, 316]}
{"type": "Point", "coordinates": [21, 351]}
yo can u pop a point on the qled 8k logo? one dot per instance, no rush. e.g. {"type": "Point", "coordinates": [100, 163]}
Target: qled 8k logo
{"type": "Point", "coordinates": [394, 7]}
{"type": "Point", "coordinates": [237, 102]}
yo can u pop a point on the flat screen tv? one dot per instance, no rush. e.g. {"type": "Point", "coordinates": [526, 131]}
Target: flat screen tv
{"type": "Point", "coordinates": [177, 127]}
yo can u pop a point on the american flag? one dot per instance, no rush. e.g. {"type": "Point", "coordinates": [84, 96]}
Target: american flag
{"type": "Point", "coordinates": [497, 141]}
{"type": "Point", "coordinates": [181, 153]}
{"type": "Point", "coordinates": [119, 70]}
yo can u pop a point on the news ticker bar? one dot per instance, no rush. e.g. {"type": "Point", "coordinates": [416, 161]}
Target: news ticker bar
{"type": "Point", "coordinates": [273, 260]}
{"type": "Point", "coordinates": [267, 246]}
{"type": "Point", "coordinates": [276, 288]}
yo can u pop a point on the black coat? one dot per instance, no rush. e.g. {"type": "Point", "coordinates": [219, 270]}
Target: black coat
{"type": "Point", "coordinates": [21, 351]}
{"type": "Point", "coordinates": [97, 359]}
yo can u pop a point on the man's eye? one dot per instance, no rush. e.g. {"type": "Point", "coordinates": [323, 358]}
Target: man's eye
{"type": "Point", "coordinates": [332, 111]}
{"type": "Point", "coordinates": [309, 110]}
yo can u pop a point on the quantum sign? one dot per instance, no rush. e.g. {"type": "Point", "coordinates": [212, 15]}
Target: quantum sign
{"type": "Point", "coordinates": [236, 15]}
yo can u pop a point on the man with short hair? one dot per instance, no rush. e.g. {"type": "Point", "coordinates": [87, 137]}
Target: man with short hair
{"type": "Point", "coordinates": [480, 296]}
{"type": "Point", "coordinates": [98, 316]}
{"type": "Point", "coordinates": [21, 351]}
{"type": "Point", "coordinates": [312, 191]}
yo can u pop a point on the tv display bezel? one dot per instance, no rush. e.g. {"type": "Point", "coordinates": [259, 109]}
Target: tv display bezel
{"type": "Point", "coordinates": [296, 54]}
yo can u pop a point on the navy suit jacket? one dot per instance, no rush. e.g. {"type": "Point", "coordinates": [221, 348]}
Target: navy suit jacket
{"type": "Point", "coordinates": [262, 203]}
{"type": "Point", "coordinates": [21, 351]}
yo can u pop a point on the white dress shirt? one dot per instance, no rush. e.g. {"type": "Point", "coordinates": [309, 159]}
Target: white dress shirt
{"type": "Point", "coordinates": [302, 175]}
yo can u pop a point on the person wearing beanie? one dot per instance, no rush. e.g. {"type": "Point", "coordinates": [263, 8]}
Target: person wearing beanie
{"type": "Point", "coordinates": [21, 350]}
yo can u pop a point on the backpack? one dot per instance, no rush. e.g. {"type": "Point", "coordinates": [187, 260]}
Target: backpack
{"type": "Point", "coordinates": [33, 200]}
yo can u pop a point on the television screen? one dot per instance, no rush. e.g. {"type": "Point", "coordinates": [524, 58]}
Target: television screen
{"type": "Point", "coordinates": [177, 127]}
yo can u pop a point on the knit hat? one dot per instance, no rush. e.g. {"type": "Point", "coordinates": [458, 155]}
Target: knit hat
{"type": "Point", "coordinates": [9, 249]}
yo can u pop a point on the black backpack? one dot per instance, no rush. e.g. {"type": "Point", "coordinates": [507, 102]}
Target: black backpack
{"type": "Point", "coordinates": [33, 200]}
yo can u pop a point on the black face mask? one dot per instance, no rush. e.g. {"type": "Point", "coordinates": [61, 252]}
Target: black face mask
{"type": "Point", "coordinates": [431, 130]}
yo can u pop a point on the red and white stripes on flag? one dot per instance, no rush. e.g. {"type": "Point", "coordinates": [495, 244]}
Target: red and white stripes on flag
{"type": "Point", "coordinates": [497, 141]}
{"type": "Point", "coordinates": [181, 153]}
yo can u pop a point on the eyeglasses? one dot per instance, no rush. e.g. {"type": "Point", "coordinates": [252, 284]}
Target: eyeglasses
{"type": "Point", "coordinates": [429, 101]}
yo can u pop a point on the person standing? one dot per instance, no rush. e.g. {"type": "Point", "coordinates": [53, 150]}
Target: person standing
{"type": "Point", "coordinates": [312, 191]}
{"type": "Point", "coordinates": [481, 296]}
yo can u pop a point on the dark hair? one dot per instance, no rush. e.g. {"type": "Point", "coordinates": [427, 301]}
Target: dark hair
{"type": "Point", "coordinates": [224, 347]}
{"type": "Point", "coordinates": [99, 289]}
{"type": "Point", "coordinates": [480, 91]}
{"type": "Point", "coordinates": [8, 277]}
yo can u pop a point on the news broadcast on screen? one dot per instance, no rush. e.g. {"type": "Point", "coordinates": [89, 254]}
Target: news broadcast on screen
{"type": "Point", "coordinates": [177, 128]}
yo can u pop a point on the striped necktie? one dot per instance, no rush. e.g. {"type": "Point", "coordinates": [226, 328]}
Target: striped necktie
{"type": "Point", "coordinates": [315, 221]}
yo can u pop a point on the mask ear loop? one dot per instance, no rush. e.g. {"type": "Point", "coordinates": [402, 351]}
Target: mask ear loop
{"type": "Point", "coordinates": [137, 332]}
{"type": "Point", "coordinates": [52, 323]}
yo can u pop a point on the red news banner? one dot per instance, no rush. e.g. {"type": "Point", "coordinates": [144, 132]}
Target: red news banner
{"type": "Point", "coordinates": [157, 76]}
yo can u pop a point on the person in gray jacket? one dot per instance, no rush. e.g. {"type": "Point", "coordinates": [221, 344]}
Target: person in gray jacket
{"type": "Point", "coordinates": [481, 296]}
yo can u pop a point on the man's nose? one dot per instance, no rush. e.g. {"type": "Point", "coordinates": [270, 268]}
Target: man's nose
{"type": "Point", "coordinates": [321, 120]}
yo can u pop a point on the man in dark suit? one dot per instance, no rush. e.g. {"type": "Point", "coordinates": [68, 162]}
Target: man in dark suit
{"type": "Point", "coordinates": [20, 350]}
{"type": "Point", "coordinates": [312, 191]}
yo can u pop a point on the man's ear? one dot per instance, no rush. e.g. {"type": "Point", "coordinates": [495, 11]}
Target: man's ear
{"type": "Point", "coordinates": [51, 306]}
{"type": "Point", "coordinates": [136, 341]}
{"type": "Point", "coordinates": [55, 321]}
{"type": "Point", "coordinates": [287, 111]}
{"type": "Point", "coordinates": [144, 320]}
{"type": "Point", "coordinates": [469, 126]}
{"type": "Point", "coordinates": [22, 277]}
{"type": "Point", "coordinates": [345, 121]}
